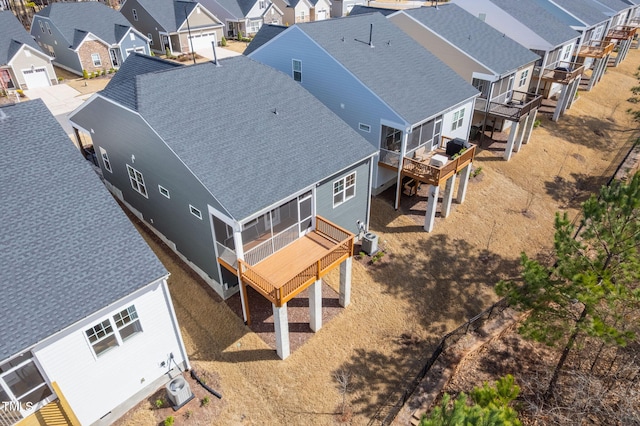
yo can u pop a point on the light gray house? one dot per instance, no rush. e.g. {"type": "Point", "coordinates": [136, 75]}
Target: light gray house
{"type": "Point", "coordinates": [499, 67]}
{"type": "Point", "coordinates": [176, 25]}
{"type": "Point", "coordinates": [396, 94]}
{"type": "Point", "coordinates": [23, 65]}
{"type": "Point", "coordinates": [87, 318]}
{"type": "Point", "coordinates": [245, 17]}
{"type": "Point", "coordinates": [266, 191]}
{"type": "Point", "coordinates": [86, 36]}
{"type": "Point", "coordinates": [623, 25]}
{"type": "Point", "coordinates": [531, 25]}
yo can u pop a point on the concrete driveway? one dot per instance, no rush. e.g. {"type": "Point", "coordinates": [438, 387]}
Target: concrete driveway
{"type": "Point", "coordinates": [61, 100]}
{"type": "Point", "coordinates": [221, 52]}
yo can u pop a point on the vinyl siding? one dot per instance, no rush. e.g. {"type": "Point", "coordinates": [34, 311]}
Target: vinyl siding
{"type": "Point", "coordinates": [64, 55]}
{"type": "Point", "coordinates": [22, 62]}
{"type": "Point", "coordinates": [124, 134]}
{"type": "Point", "coordinates": [127, 43]}
{"type": "Point", "coordinates": [145, 23]}
{"type": "Point", "coordinates": [120, 372]}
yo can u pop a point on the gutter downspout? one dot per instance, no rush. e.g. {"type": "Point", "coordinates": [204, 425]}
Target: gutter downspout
{"type": "Point", "coordinates": [403, 150]}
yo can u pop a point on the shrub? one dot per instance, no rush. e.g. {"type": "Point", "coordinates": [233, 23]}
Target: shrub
{"type": "Point", "coordinates": [223, 42]}
{"type": "Point", "coordinates": [205, 401]}
{"type": "Point", "coordinates": [20, 93]}
{"type": "Point", "coordinates": [85, 74]}
{"type": "Point", "coordinates": [476, 172]}
{"type": "Point", "coordinates": [240, 35]}
{"type": "Point", "coordinates": [537, 123]}
{"type": "Point", "coordinates": [159, 403]}
{"type": "Point", "coordinates": [60, 79]}
{"type": "Point", "coordinates": [169, 421]}
{"type": "Point", "coordinates": [167, 52]}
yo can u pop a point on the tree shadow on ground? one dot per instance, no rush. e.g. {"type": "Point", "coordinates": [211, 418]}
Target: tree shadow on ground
{"type": "Point", "coordinates": [571, 192]}
{"type": "Point", "coordinates": [589, 132]}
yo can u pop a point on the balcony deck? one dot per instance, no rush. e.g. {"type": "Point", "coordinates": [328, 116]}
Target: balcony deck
{"type": "Point", "coordinates": [561, 76]}
{"type": "Point", "coordinates": [521, 104]}
{"type": "Point", "coordinates": [621, 33]}
{"type": "Point", "coordinates": [287, 272]}
{"type": "Point", "coordinates": [596, 49]}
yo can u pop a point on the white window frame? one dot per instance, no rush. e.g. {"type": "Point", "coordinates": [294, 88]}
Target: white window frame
{"type": "Point", "coordinates": [97, 63]}
{"type": "Point", "coordinates": [458, 119]}
{"type": "Point", "coordinates": [302, 14]}
{"type": "Point", "coordinates": [46, 24]}
{"type": "Point", "coordinates": [261, 4]}
{"type": "Point", "coordinates": [297, 62]}
{"type": "Point", "coordinates": [105, 160]}
{"type": "Point", "coordinates": [164, 191]}
{"type": "Point", "coordinates": [195, 211]}
{"type": "Point", "coordinates": [126, 318]}
{"type": "Point", "coordinates": [566, 55]}
{"type": "Point", "coordinates": [135, 14]}
{"type": "Point", "coordinates": [523, 78]}
{"type": "Point", "coordinates": [95, 330]}
{"type": "Point", "coordinates": [24, 407]}
{"type": "Point", "coordinates": [345, 189]}
{"type": "Point", "coordinates": [137, 181]}
{"type": "Point", "coordinates": [41, 26]}
{"type": "Point", "coordinates": [150, 37]}
{"type": "Point", "coordinates": [132, 36]}
{"type": "Point", "coordinates": [364, 127]}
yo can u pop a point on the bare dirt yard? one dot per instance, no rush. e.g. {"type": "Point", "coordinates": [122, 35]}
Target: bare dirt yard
{"type": "Point", "coordinates": [425, 285]}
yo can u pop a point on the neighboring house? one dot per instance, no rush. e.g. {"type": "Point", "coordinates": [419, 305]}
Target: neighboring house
{"type": "Point", "coordinates": [298, 11]}
{"type": "Point", "coordinates": [86, 36]}
{"type": "Point", "coordinates": [321, 10]}
{"type": "Point", "coordinates": [341, 8]}
{"type": "Point", "coordinates": [531, 25]}
{"type": "Point", "coordinates": [399, 96]}
{"type": "Point", "coordinates": [588, 19]}
{"type": "Point", "coordinates": [88, 328]}
{"type": "Point", "coordinates": [268, 189]}
{"type": "Point", "coordinates": [4, 5]}
{"type": "Point", "coordinates": [23, 65]}
{"type": "Point", "coordinates": [244, 17]}
{"type": "Point", "coordinates": [623, 27]}
{"type": "Point", "coordinates": [499, 67]}
{"type": "Point", "coordinates": [174, 24]}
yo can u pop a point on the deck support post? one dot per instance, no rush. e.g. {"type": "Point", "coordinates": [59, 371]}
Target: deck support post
{"type": "Point", "coordinates": [315, 305]}
{"type": "Point", "coordinates": [281, 325]}
{"type": "Point", "coordinates": [508, 152]}
{"type": "Point", "coordinates": [561, 104]}
{"type": "Point", "coordinates": [521, 131]}
{"type": "Point", "coordinates": [345, 282]}
{"type": "Point", "coordinates": [574, 89]}
{"type": "Point", "coordinates": [598, 70]}
{"type": "Point", "coordinates": [530, 124]}
{"type": "Point", "coordinates": [464, 182]}
{"type": "Point", "coordinates": [448, 195]}
{"type": "Point", "coordinates": [430, 216]}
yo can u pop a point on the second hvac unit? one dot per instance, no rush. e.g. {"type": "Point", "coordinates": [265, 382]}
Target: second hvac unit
{"type": "Point", "coordinates": [370, 243]}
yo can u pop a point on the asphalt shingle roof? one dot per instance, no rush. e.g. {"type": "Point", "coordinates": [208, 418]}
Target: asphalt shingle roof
{"type": "Point", "coordinates": [67, 249]}
{"type": "Point", "coordinates": [169, 13]}
{"type": "Point", "coordinates": [410, 79]}
{"type": "Point", "coordinates": [266, 33]}
{"type": "Point", "coordinates": [122, 87]}
{"type": "Point", "coordinates": [363, 10]}
{"type": "Point", "coordinates": [238, 8]}
{"type": "Point", "coordinates": [585, 10]}
{"type": "Point", "coordinates": [474, 37]}
{"type": "Point", "coordinates": [12, 37]}
{"type": "Point", "coordinates": [539, 20]}
{"type": "Point", "coordinates": [90, 16]}
{"type": "Point", "coordinates": [617, 5]}
{"type": "Point", "coordinates": [251, 144]}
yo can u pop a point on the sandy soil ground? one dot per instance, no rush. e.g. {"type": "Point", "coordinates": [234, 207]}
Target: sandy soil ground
{"type": "Point", "coordinates": [427, 284]}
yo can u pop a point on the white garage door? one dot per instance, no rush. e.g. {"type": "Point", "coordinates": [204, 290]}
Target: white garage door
{"type": "Point", "coordinates": [36, 78]}
{"type": "Point", "coordinates": [202, 41]}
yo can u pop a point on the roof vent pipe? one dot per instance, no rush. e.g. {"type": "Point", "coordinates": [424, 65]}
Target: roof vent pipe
{"type": "Point", "coordinates": [215, 56]}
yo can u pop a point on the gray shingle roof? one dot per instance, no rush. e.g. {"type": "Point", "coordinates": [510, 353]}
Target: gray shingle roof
{"type": "Point", "coordinates": [617, 5]}
{"type": "Point", "coordinates": [362, 10]}
{"type": "Point", "coordinates": [238, 8]}
{"type": "Point", "coordinates": [122, 87]}
{"type": "Point", "coordinates": [474, 37]}
{"type": "Point", "coordinates": [90, 16]}
{"type": "Point", "coordinates": [539, 20]}
{"type": "Point", "coordinates": [169, 13]}
{"type": "Point", "coordinates": [266, 33]}
{"type": "Point", "coordinates": [585, 10]}
{"type": "Point", "coordinates": [406, 76]}
{"type": "Point", "coordinates": [66, 249]}
{"type": "Point", "coordinates": [12, 37]}
{"type": "Point", "coordinates": [251, 144]}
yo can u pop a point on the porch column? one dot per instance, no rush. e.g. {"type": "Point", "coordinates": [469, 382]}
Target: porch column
{"type": "Point", "coordinates": [595, 75]}
{"type": "Point", "coordinates": [508, 152]}
{"type": "Point", "coordinates": [574, 90]}
{"type": "Point", "coordinates": [531, 123]}
{"type": "Point", "coordinates": [522, 127]}
{"type": "Point", "coordinates": [464, 182]}
{"type": "Point", "coordinates": [315, 305]}
{"type": "Point", "coordinates": [448, 195]}
{"type": "Point", "coordinates": [281, 324]}
{"type": "Point", "coordinates": [345, 282]}
{"type": "Point", "coordinates": [432, 202]}
{"type": "Point", "coordinates": [561, 102]}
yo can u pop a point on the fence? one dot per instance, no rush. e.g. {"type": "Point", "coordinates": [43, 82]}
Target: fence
{"type": "Point", "coordinates": [388, 411]}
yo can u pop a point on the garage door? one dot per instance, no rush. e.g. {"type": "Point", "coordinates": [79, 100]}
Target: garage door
{"type": "Point", "coordinates": [36, 78]}
{"type": "Point", "coordinates": [202, 41]}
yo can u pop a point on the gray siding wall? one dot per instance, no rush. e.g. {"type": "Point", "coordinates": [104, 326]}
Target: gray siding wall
{"type": "Point", "coordinates": [123, 135]}
{"type": "Point", "coordinates": [348, 213]}
{"type": "Point", "coordinates": [127, 43]}
{"type": "Point", "coordinates": [329, 82]}
{"type": "Point", "coordinates": [64, 55]}
{"type": "Point", "coordinates": [145, 23]}
{"type": "Point", "coordinates": [460, 62]}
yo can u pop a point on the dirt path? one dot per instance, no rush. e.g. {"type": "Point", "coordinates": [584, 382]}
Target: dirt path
{"type": "Point", "coordinates": [426, 285]}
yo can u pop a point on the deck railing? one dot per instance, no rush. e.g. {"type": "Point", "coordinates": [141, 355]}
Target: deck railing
{"type": "Point", "coordinates": [519, 105]}
{"type": "Point", "coordinates": [560, 72]}
{"type": "Point", "coordinates": [621, 33]}
{"type": "Point", "coordinates": [9, 418]}
{"type": "Point", "coordinates": [315, 270]}
{"type": "Point", "coordinates": [595, 49]}
{"type": "Point", "coordinates": [433, 175]}
{"type": "Point", "coordinates": [272, 245]}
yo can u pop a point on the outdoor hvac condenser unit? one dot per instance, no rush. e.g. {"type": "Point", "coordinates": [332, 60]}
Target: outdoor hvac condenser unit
{"type": "Point", "coordinates": [370, 243]}
{"type": "Point", "coordinates": [179, 392]}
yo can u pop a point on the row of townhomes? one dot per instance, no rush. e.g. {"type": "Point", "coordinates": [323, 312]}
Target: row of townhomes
{"type": "Point", "coordinates": [257, 170]}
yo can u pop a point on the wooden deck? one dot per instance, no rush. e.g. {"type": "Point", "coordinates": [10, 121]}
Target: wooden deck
{"type": "Point", "coordinates": [290, 270]}
{"type": "Point", "coordinates": [596, 49]}
{"type": "Point", "coordinates": [561, 76]}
